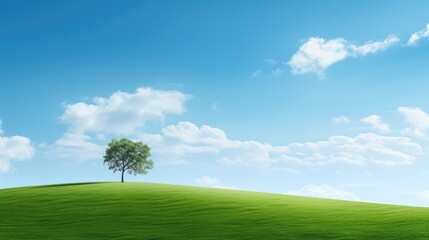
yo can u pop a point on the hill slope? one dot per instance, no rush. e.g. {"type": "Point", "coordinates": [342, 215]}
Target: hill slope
{"type": "Point", "coordinates": [159, 211]}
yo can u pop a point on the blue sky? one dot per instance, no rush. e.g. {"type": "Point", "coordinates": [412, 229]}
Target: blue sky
{"type": "Point", "coordinates": [315, 98]}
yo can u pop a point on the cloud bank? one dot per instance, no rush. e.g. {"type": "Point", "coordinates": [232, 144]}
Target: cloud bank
{"type": "Point", "coordinates": [184, 140]}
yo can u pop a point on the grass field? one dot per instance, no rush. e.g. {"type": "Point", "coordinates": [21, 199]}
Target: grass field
{"type": "Point", "coordinates": [158, 211]}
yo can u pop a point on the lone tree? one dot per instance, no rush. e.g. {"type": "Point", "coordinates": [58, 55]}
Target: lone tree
{"type": "Point", "coordinates": [127, 156]}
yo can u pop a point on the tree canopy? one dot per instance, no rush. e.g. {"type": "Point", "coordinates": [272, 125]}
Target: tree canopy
{"type": "Point", "coordinates": [125, 155]}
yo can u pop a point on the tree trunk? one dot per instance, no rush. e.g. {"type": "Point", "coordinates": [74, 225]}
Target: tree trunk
{"type": "Point", "coordinates": [122, 179]}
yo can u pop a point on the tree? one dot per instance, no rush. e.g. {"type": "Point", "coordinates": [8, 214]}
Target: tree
{"type": "Point", "coordinates": [127, 156]}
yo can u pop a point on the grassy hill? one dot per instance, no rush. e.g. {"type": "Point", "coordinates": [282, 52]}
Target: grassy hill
{"type": "Point", "coordinates": [159, 211]}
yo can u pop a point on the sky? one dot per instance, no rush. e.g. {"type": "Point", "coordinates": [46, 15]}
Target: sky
{"type": "Point", "coordinates": [315, 98]}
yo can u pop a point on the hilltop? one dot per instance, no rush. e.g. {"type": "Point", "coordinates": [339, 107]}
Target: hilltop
{"type": "Point", "coordinates": [160, 211]}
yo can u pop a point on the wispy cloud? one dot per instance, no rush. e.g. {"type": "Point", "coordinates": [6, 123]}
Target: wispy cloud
{"type": "Point", "coordinates": [415, 37]}
{"type": "Point", "coordinates": [215, 107]}
{"type": "Point", "coordinates": [325, 191]}
{"type": "Point", "coordinates": [340, 119]}
{"type": "Point", "coordinates": [257, 73]}
{"type": "Point", "coordinates": [376, 123]}
{"type": "Point", "coordinates": [363, 149]}
{"type": "Point", "coordinates": [271, 68]}
{"type": "Point", "coordinates": [317, 54]}
{"type": "Point", "coordinates": [271, 61]}
{"type": "Point", "coordinates": [365, 185]}
{"type": "Point", "coordinates": [213, 182]}
{"type": "Point", "coordinates": [74, 146]}
{"type": "Point", "coordinates": [423, 195]}
{"type": "Point", "coordinates": [277, 72]}
{"type": "Point", "coordinates": [286, 169]}
{"type": "Point", "coordinates": [374, 47]}
{"type": "Point", "coordinates": [207, 180]}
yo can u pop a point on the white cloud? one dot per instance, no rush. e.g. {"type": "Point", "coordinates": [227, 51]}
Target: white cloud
{"type": "Point", "coordinates": [424, 33]}
{"type": "Point", "coordinates": [213, 182]}
{"type": "Point", "coordinates": [365, 184]}
{"type": "Point", "coordinates": [16, 148]}
{"type": "Point", "coordinates": [286, 169]}
{"type": "Point", "coordinates": [256, 73]}
{"type": "Point", "coordinates": [207, 181]}
{"type": "Point", "coordinates": [215, 107]}
{"type": "Point", "coordinates": [364, 149]}
{"type": "Point", "coordinates": [1, 130]}
{"type": "Point", "coordinates": [122, 112]}
{"type": "Point", "coordinates": [424, 195]}
{"type": "Point", "coordinates": [74, 146]}
{"type": "Point", "coordinates": [271, 61]}
{"type": "Point", "coordinates": [185, 140]}
{"type": "Point", "coordinates": [317, 54]}
{"type": "Point", "coordinates": [374, 47]}
{"type": "Point", "coordinates": [376, 122]}
{"type": "Point", "coordinates": [325, 191]}
{"type": "Point", "coordinates": [340, 119]}
{"type": "Point", "coordinates": [417, 118]}
{"type": "Point", "coordinates": [277, 72]}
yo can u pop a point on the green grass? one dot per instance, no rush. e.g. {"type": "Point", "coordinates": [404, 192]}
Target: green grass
{"type": "Point", "coordinates": [158, 211]}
